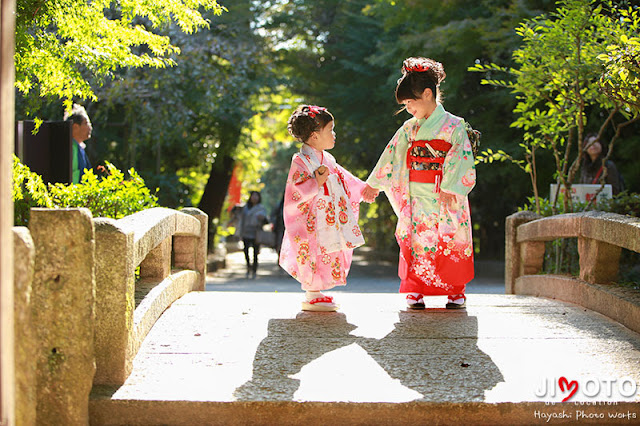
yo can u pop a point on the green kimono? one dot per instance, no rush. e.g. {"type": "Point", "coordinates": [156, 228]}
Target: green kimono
{"type": "Point", "coordinates": [423, 160]}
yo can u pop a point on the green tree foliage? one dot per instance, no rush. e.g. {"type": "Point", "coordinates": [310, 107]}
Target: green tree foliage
{"type": "Point", "coordinates": [558, 81]}
{"type": "Point", "coordinates": [65, 47]}
{"type": "Point", "coordinates": [621, 79]}
{"type": "Point", "coordinates": [265, 163]}
{"type": "Point", "coordinates": [110, 195]}
{"type": "Point", "coordinates": [234, 84]}
{"type": "Point", "coordinates": [177, 125]}
{"type": "Point", "coordinates": [28, 191]}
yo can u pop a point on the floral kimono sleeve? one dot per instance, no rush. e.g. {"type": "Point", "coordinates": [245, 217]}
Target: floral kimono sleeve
{"type": "Point", "coordinates": [459, 171]}
{"type": "Point", "coordinates": [301, 184]}
{"type": "Point", "coordinates": [382, 175]}
{"type": "Point", "coordinates": [392, 176]}
{"type": "Point", "coordinates": [353, 184]}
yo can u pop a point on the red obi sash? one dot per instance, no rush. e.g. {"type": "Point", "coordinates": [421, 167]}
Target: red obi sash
{"type": "Point", "coordinates": [433, 175]}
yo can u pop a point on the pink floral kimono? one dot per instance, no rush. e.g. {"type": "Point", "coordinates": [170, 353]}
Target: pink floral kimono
{"type": "Point", "coordinates": [321, 223]}
{"type": "Point", "coordinates": [425, 158]}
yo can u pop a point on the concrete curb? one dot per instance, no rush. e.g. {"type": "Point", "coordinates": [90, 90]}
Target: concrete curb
{"type": "Point", "coordinates": [108, 412]}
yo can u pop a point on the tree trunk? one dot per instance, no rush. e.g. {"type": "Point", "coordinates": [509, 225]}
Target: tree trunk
{"type": "Point", "coordinates": [217, 186]}
{"type": "Point", "coordinates": [216, 189]}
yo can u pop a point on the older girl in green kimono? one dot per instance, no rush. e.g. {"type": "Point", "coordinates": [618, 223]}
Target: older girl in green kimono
{"type": "Point", "coordinates": [427, 170]}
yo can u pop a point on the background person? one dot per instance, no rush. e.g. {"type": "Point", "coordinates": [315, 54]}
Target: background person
{"type": "Point", "coordinates": [252, 219]}
{"type": "Point", "coordinates": [592, 168]}
{"type": "Point", "coordinates": [80, 132]}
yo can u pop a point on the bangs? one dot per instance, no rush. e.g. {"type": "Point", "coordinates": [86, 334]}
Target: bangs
{"type": "Point", "coordinates": [324, 118]}
{"type": "Point", "coordinates": [404, 90]}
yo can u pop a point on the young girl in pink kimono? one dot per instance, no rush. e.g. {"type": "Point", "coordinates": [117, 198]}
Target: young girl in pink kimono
{"type": "Point", "coordinates": [427, 170]}
{"type": "Point", "coordinates": [321, 206]}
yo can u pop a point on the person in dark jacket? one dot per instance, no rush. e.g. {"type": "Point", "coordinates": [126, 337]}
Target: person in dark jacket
{"type": "Point", "coordinates": [253, 217]}
{"type": "Point", "coordinates": [80, 132]}
{"type": "Point", "coordinates": [593, 168]}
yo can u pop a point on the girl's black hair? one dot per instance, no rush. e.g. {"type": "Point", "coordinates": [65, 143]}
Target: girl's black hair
{"type": "Point", "coordinates": [307, 119]}
{"type": "Point", "coordinates": [419, 73]}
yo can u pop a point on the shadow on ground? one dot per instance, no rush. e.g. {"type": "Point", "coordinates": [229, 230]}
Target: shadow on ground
{"type": "Point", "coordinates": [426, 357]}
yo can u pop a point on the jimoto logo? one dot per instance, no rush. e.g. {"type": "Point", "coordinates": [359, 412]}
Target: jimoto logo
{"type": "Point", "coordinates": [567, 389]}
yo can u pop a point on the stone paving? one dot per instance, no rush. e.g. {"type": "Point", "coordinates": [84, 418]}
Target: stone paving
{"type": "Point", "coordinates": [246, 341]}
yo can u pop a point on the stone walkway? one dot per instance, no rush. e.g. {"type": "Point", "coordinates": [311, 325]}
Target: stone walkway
{"type": "Point", "coordinates": [246, 354]}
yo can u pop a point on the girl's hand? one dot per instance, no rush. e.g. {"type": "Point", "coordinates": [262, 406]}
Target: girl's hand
{"type": "Point", "coordinates": [450, 201]}
{"type": "Point", "coordinates": [369, 194]}
{"type": "Point", "coordinates": [321, 174]}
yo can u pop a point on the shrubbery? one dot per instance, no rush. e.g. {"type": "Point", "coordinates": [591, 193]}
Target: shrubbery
{"type": "Point", "coordinates": [108, 194]}
{"type": "Point", "coordinates": [623, 203]}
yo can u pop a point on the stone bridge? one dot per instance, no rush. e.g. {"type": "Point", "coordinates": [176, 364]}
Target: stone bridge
{"type": "Point", "coordinates": [161, 347]}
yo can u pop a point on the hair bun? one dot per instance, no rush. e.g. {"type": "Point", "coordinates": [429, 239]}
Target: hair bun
{"type": "Point", "coordinates": [419, 64]}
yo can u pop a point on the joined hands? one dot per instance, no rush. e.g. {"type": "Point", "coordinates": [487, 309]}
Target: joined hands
{"type": "Point", "coordinates": [369, 194]}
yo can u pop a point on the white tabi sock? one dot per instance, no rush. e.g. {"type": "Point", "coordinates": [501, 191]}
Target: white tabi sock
{"type": "Point", "coordinates": [458, 301]}
{"type": "Point", "coordinates": [310, 295]}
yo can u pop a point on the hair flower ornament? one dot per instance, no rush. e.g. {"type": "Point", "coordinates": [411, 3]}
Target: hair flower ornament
{"type": "Point", "coordinates": [314, 110]}
{"type": "Point", "coordinates": [416, 68]}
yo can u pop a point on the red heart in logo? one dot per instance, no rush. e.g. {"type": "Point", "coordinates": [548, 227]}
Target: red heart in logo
{"type": "Point", "coordinates": [562, 382]}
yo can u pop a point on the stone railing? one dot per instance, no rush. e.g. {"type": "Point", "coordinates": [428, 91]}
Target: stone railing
{"type": "Point", "coordinates": [601, 237]}
{"type": "Point", "coordinates": [81, 314]}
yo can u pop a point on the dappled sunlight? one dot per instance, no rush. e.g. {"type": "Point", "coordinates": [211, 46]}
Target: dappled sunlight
{"type": "Point", "coordinates": [349, 374]}
{"type": "Point", "coordinates": [374, 325]}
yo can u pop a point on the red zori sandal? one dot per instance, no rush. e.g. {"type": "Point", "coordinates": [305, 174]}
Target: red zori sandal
{"type": "Point", "coordinates": [320, 304]}
{"type": "Point", "coordinates": [457, 301]}
{"type": "Point", "coordinates": [415, 302]}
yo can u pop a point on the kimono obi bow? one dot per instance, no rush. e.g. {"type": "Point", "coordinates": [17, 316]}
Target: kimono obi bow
{"type": "Point", "coordinates": [425, 159]}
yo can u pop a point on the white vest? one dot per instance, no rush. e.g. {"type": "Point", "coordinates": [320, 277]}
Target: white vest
{"type": "Point", "coordinates": [336, 225]}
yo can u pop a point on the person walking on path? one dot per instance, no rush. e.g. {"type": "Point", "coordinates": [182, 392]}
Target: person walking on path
{"type": "Point", "coordinates": [427, 170]}
{"type": "Point", "coordinates": [253, 217]}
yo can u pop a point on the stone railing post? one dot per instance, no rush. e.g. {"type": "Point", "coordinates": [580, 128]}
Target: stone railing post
{"type": "Point", "coordinates": [531, 257]}
{"type": "Point", "coordinates": [191, 252]}
{"type": "Point", "coordinates": [25, 342]}
{"type": "Point", "coordinates": [513, 259]}
{"type": "Point", "coordinates": [599, 261]}
{"type": "Point", "coordinates": [157, 264]}
{"type": "Point", "coordinates": [115, 289]}
{"type": "Point", "coordinates": [63, 313]}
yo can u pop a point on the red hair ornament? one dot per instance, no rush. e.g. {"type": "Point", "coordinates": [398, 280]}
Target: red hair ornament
{"type": "Point", "coordinates": [315, 110]}
{"type": "Point", "coordinates": [416, 68]}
